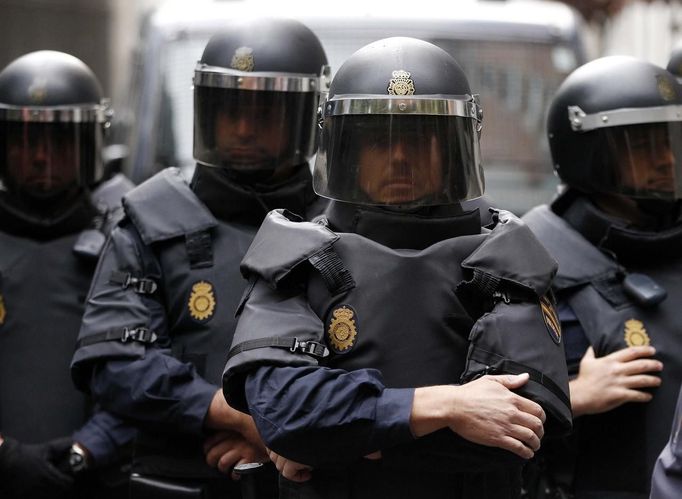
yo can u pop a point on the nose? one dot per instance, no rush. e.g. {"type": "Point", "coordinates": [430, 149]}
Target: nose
{"type": "Point", "coordinates": [41, 153]}
{"type": "Point", "coordinates": [245, 125]}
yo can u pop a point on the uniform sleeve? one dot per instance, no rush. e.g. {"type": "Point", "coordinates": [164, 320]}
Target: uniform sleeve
{"type": "Point", "coordinates": [304, 412]}
{"type": "Point", "coordinates": [103, 435]}
{"type": "Point", "coordinates": [137, 379]}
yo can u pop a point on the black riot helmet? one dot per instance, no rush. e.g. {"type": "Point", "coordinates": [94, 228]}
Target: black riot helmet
{"type": "Point", "coordinates": [614, 127]}
{"type": "Point", "coordinates": [52, 123]}
{"type": "Point", "coordinates": [256, 92]}
{"type": "Point", "coordinates": [400, 127]}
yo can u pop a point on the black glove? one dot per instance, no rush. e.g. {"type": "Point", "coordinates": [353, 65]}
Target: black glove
{"type": "Point", "coordinates": [29, 471]}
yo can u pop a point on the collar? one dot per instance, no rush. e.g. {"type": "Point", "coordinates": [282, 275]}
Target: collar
{"type": "Point", "coordinates": [62, 220]}
{"type": "Point", "coordinates": [417, 229]}
{"type": "Point", "coordinates": [617, 235]}
{"type": "Point", "coordinates": [249, 203]}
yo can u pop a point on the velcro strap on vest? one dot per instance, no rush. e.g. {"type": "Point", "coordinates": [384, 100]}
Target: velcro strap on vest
{"type": "Point", "coordinates": [294, 345]}
{"type": "Point", "coordinates": [336, 276]}
{"type": "Point", "coordinates": [140, 285]}
{"type": "Point", "coordinates": [497, 364]}
{"type": "Point", "coordinates": [485, 283]}
{"type": "Point", "coordinates": [124, 335]}
{"type": "Point", "coordinates": [199, 249]}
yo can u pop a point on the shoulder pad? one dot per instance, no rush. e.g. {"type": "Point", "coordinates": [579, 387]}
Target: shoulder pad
{"type": "Point", "coordinates": [579, 260]}
{"type": "Point", "coordinates": [512, 253]}
{"type": "Point", "coordinates": [164, 207]}
{"type": "Point", "coordinates": [282, 243]}
{"type": "Point", "coordinates": [109, 194]}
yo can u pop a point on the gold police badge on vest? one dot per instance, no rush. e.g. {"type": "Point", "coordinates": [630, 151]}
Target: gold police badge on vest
{"type": "Point", "coordinates": [342, 331]}
{"type": "Point", "coordinates": [401, 83]}
{"type": "Point", "coordinates": [635, 334]}
{"type": "Point", "coordinates": [201, 302]}
{"type": "Point", "coordinates": [551, 319]}
{"type": "Point", "coordinates": [242, 60]}
{"type": "Point", "coordinates": [3, 311]}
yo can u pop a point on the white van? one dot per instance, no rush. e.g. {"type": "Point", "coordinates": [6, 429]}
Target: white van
{"type": "Point", "coordinates": [515, 54]}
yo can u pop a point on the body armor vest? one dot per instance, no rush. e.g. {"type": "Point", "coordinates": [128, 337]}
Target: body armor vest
{"type": "Point", "coordinates": [400, 311]}
{"type": "Point", "coordinates": [43, 285]}
{"type": "Point", "coordinates": [618, 449]}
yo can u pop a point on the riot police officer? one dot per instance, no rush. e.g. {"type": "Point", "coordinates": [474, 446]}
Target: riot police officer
{"type": "Point", "coordinates": [614, 133]}
{"type": "Point", "coordinates": [52, 228]}
{"type": "Point", "coordinates": [356, 330]}
{"type": "Point", "coordinates": [160, 314]}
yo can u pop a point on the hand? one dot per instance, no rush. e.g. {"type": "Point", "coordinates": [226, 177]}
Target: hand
{"type": "Point", "coordinates": [291, 470]}
{"type": "Point", "coordinates": [227, 449]}
{"type": "Point", "coordinates": [484, 411]}
{"type": "Point", "coordinates": [30, 471]}
{"type": "Point", "coordinates": [608, 382]}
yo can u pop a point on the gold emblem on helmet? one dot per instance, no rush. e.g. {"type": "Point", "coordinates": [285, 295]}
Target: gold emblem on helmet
{"type": "Point", "coordinates": [342, 330]}
{"type": "Point", "coordinates": [401, 83]}
{"type": "Point", "coordinates": [3, 311]}
{"type": "Point", "coordinates": [551, 319]}
{"type": "Point", "coordinates": [37, 92]}
{"type": "Point", "coordinates": [201, 302]}
{"type": "Point", "coordinates": [242, 60]}
{"type": "Point", "coordinates": [635, 334]}
{"type": "Point", "coordinates": [665, 88]}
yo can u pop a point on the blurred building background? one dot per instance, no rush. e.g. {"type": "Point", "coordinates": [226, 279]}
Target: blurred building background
{"type": "Point", "coordinates": [150, 84]}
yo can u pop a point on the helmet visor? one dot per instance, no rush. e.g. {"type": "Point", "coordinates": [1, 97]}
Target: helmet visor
{"type": "Point", "coordinates": [390, 159]}
{"type": "Point", "coordinates": [44, 160]}
{"type": "Point", "coordinates": [643, 161]}
{"type": "Point", "coordinates": [253, 131]}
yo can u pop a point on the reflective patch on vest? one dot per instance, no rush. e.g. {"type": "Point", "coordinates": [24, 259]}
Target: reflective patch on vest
{"type": "Point", "coordinates": [341, 330]}
{"type": "Point", "coordinates": [551, 319]}
{"type": "Point", "coordinates": [3, 311]}
{"type": "Point", "coordinates": [635, 334]}
{"type": "Point", "coordinates": [201, 303]}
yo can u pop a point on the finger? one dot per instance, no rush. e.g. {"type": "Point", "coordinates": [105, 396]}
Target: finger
{"type": "Point", "coordinates": [632, 353]}
{"type": "Point", "coordinates": [515, 446]}
{"type": "Point", "coordinates": [374, 455]}
{"type": "Point", "coordinates": [511, 381]}
{"type": "Point", "coordinates": [531, 422]}
{"type": "Point", "coordinates": [642, 381]}
{"type": "Point", "coordinates": [589, 353]}
{"type": "Point", "coordinates": [636, 396]}
{"type": "Point", "coordinates": [216, 452]}
{"type": "Point", "coordinates": [641, 366]}
{"type": "Point", "coordinates": [228, 460]}
{"type": "Point", "coordinates": [530, 407]}
{"type": "Point", "coordinates": [212, 440]}
{"type": "Point", "coordinates": [296, 472]}
{"type": "Point", "coordinates": [526, 436]}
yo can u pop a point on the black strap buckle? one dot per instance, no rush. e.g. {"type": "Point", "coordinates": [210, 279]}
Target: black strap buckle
{"type": "Point", "coordinates": [140, 285]}
{"type": "Point", "coordinates": [139, 334]}
{"type": "Point", "coordinates": [309, 347]}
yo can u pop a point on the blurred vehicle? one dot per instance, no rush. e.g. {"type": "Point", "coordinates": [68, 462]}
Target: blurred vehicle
{"type": "Point", "coordinates": [515, 54]}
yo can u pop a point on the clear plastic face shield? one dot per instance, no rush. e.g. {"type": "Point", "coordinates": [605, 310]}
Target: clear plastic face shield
{"type": "Point", "coordinates": [397, 151]}
{"type": "Point", "coordinates": [48, 152]}
{"type": "Point", "coordinates": [255, 123]}
{"type": "Point", "coordinates": [640, 150]}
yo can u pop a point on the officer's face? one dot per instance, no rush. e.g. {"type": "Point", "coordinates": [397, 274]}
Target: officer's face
{"type": "Point", "coordinates": [251, 134]}
{"type": "Point", "coordinates": [42, 158]}
{"type": "Point", "coordinates": [401, 171]}
{"type": "Point", "coordinates": [645, 159]}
